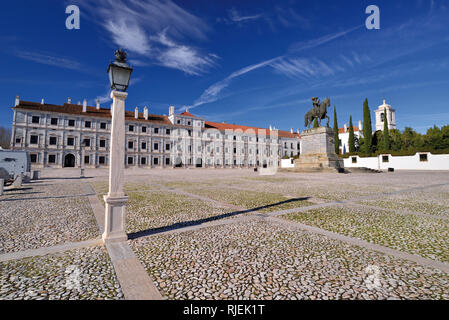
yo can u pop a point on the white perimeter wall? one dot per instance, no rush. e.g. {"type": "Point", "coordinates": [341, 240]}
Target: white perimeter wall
{"type": "Point", "coordinates": [434, 162]}
{"type": "Point", "coordinates": [287, 163]}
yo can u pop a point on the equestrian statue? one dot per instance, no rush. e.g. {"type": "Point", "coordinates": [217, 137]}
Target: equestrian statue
{"type": "Point", "coordinates": [318, 111]}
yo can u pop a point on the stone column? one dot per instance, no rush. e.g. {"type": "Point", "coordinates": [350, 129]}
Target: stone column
{"type": "Point", "coordinates": [116, 199]}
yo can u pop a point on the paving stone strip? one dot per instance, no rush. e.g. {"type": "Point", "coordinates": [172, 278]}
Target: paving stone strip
{"type": "Point", "coordinates": [365, 244]}
{"type": "Point", "coordinates": [49, 250]}
{"type": "Point", "coordinates": [399, 211]}
{"type": "Point", "coordinates": [134, 281]}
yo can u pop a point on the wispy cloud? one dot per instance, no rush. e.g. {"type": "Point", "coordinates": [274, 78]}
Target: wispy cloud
{"type": "Point", "coordinates": [154, 31]}
{"type": "Point", "coordinates": [235, 16]}
{"type": "Point", "coordinates": [51, 60]}
{"type": "Point", "coordinates": [291, 67]}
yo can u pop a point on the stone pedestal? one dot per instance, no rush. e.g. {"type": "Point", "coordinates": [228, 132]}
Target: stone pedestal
{"type": "Point", "coordinates": [1, 186]}
{"type": "Point", "coordinates": [318, 151]}
{"type": "Point", "coordinates": [115, 213]}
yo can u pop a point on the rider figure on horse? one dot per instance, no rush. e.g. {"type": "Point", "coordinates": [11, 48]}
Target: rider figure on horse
{"type": "Point", "coordinates": [316, 103]}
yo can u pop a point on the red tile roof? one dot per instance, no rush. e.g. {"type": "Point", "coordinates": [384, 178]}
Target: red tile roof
{"type": "Point", "coordinates": [223, 126]}
{"type": "Point", "coordinates": [342, 130]}
{"type": "Point", "coordinates": [187, 113]}
{"type": "Point", "coordinates": [76, 109]}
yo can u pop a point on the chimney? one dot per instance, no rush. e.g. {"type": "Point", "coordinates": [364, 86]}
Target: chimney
{"type": "Point", "coordinates": [79, 103]}
{"type": "Point", "coordinates": [84, 105]}
{"type": "Point", "coordinates": [297, 131]}
{"type": "Point", "coordinates": [345, 127]}
{"type": "Point", "coordinates": [171, 110]}
{"type": "Point", "coordinates": [136, 113]}
{"type": "Point", "coordinates": [291, 130]}
{"type": "Point", "coordinates": [17, 102]}
{"type": "Point", "coordinates": [42, 101]}
{"type": "Point", "coordinates": [69, 100]}
{"type": "Point", "coordinates": [360, 125]}
{"type": "Point", "coordinates": [145, 112]}
{"type": "Point", "coordinates": [98, 104]}
{"type": "Point", "coordinates": [271, 128]}
{"type": "Point", "coordinates": [111, 107]}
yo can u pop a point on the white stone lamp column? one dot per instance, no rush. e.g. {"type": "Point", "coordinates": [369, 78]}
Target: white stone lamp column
{"type": "Point", "coordinates": [116, 199]}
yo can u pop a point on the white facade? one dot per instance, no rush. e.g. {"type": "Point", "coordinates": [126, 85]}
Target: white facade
{"type": "Point", "coordinates": [343, 136]}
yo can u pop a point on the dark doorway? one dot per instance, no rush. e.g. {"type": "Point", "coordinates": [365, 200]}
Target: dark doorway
{"type": "Point", "coordinates": [69, 161]}
{"type": "Point", "coordinates": [199, 163]}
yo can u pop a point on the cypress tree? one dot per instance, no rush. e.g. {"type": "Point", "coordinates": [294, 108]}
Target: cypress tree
{"type": "Point", "coordinates": [367, 129]}
{"type": "Point", "coordinates": [386, 134]}
{"type": "Point", "coordinates": [351, 140]}
{"type": "Point", "coordinates": [315, 123]}
{"type": "Point", "coordinates": [336, 139]}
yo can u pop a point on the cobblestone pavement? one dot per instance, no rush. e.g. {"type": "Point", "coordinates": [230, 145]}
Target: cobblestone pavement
{"type": "Point", "coordinates": [44, 215]}
{"type": "Point", "coordinates": [85, 273]}
{"type": "Point", "coordinates": [246, 258]}
{"type": "Point", "coordinates": [260, 260]}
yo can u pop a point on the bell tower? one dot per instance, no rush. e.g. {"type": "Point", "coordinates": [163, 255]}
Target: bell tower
{"type": "Point", "coordinates": [385, 111]}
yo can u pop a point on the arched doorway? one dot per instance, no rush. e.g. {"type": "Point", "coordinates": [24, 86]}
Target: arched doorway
{"type": "Point", "coordinates": [178, 162]}
{"type": "Point", "coordinates": [199, 162]}
{"type": "Point", "coordinates": [69, 161]}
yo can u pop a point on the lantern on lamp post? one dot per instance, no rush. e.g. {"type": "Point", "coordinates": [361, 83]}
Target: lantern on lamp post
{"type": "Point", "coordinates": [115, 201]}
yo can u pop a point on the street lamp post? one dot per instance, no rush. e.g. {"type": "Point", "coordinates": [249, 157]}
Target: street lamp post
{"type": "Point", "coordinates": [115, 213]}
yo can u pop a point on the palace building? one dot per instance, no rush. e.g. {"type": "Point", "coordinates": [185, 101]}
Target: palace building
{"type": "Point", "coordinates": [77, 135]}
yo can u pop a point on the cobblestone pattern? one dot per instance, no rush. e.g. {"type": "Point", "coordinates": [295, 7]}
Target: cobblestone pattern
{"type": "Point", "coordinates": [77, 274]}
{"type": "Point", "coordinates": [424, 236]}
{"type": "Point", "coordinates": [259, 260]}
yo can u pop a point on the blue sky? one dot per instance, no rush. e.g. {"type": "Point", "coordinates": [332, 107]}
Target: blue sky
{"type": "Point", "coordinates": [247, 62]}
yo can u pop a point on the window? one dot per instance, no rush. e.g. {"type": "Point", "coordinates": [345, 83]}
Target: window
{"type": "Point", "coordinates": [35, 119]}
{"type": "Point", "coordinates": [188, 123]}
{"type": "Point", "coordinates": [33, 139]}
{"type": "Point", "coordinates": [103, 125]}
{"type": "Point", "coordinates": [70, 141]}
{"type": "Point", "coordinates": [51, 158]}
{"type": "Point", "coordinates": [354, 159]}
{"type": "Point", "coordinates": [54, 121]}
{"type": "Point", "coordinates": [18, 140]}
{"type": "Point", "coordinates": [130, 144]}
{"type": "Point", "coordinates": [167, 146]}
{"type": "Point", "coordinates": [235, 150]}
{"type": "Point", "coordinates": [130, 160]}
{"type": "Point", "coordinates": [167, 161]}
{"type": "Point", "coordinates": [156, 161]}
{"type": "Point", "coordinates": [156, 130]}
{"type": "Point", "coordinates": [235, 138]}
{"type": "Point", "coordinates": [102, 143]}
{"type": "Point", "coordinates": [423, 157]}
{"type": "Point", "coordinates": [86, 142]}
{"type": "Point", "coordinates": [87, 124]}
{"type": "Point", "coordinates": [131, 128]}
{"type": "Point", "coordinates": [86, 159]}
{"type": "Point", "coordinates": [33, 158]}
{"type": "Point", "coordinates": [189, 132]}
{"type": "Point", "coordinates": [143, 161]}
{"type": "Point", "coordinates": [144, 129]}
{"type": "Point", "coordinates": [178, 122]}
{"type": "Point", "coordinates": [156, 146]}
{"type": "Point", "coordinates": [144, 145]}
{"type": "Point", "coordinates": [53, 140]}
{"type": "Point", "coordinates": [167, 131]}
{"type": "Point", "coordinates": [71, 123]}
{"type": "Point", "coordinates": [385, 159]}
{"type": "Point", "coordinates": [101, 159]}
{"type": "Point", "coordinates": [382, 116]}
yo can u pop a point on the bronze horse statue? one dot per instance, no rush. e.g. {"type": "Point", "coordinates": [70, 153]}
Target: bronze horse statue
{"type": "Point", "coordinates": [318, 111]}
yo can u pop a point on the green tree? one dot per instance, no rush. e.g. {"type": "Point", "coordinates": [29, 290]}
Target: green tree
{"type": "Point", "coordinates": [5, 137]}
{"type": "Point", "coordinates": [351, 139]}
{"type": "Point", "coordinates": [434, 138]}
{"type": "Point", "coordinates": [408, 138]}
{"type": "Point", "coordinates": [336, 139]}
{"type": "Point", "coordinates": [367, 129]}
{"type": "Point", "coordinates": [445, 133]}
{"type": "Point", "coordinates": [385, 143]}
{"type": "Point", "coordinates": [315, 123]}
{"type": "Point", "coordinates": [396, 143]}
